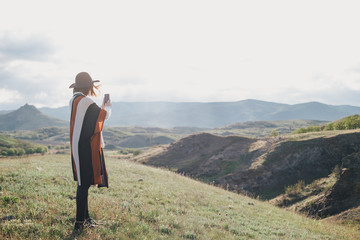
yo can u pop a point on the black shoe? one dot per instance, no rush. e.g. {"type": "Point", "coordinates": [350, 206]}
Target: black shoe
{"type": "Point", "coordinates": [91, 221]}
{"type": "Point", "coordinates": [79, 227]}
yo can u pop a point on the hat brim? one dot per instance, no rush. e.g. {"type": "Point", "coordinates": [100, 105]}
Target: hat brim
{"type": "Point", "coordinates": [83, 85]}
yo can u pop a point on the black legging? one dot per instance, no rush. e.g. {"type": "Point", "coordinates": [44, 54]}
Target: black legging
{"type": "Point", "coordinates": [82, 211]}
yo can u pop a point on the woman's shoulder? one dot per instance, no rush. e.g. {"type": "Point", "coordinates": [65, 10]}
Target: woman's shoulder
{"type": "Point", "coordinates": [84, 99]}
{"type": "Point", "coordinates": [87, 100]}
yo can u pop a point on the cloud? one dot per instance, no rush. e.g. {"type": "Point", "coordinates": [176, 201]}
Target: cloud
{"type": "Point", "coordinates": [31, 48]}
{"type": "Point", "coordinates": [219, 52]}
{"type": "Point", "coordinates": [24, 60]}
{"type": "Point", "coordinates": [335, 95]}
{"type": "Point", "coordinates": [28, 70]}
{"type": "Point", "coordinates": [9, 96]}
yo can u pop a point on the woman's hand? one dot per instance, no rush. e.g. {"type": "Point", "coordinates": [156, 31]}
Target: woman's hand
{"type": "Point", "coordinates": [106, 104]}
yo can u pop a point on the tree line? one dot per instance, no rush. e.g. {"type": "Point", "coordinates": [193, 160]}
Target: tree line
{"type": "Point", "coordinates": [13, 147]}
{"type": "Point", "coordinates": [347, 123]}
{"type": "Point", "coordinates": [23, 151]}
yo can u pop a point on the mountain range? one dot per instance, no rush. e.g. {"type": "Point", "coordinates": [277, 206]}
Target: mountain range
{"type": "Point", "coordinates": [191, 114]}
{"type": "Point", "coordinates": [212, 114]}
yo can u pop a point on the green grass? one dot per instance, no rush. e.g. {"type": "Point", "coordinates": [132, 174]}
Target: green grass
{"type": "Point", "coordinates": [7, 141]}
{"type": "Point", "coordinates": [227, 167]}
{"type": "Point", "coordinates": [141, 203]}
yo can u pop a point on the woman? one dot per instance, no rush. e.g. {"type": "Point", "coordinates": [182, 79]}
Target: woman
{"type": "Point", "coordinates": [88, 163]}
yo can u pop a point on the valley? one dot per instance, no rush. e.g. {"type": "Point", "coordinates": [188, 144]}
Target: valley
{"type": "Point", "coordinates": [304, 166]}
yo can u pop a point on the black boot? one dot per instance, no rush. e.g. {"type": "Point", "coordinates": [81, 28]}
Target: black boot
{"type": "Point", "coordinates": [90, 223]}
{"type": "Point", "coordinates": [79, 227]}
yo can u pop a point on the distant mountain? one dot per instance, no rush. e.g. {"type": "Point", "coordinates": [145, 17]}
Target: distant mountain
{"type": "Point", "coordinates": [28, 117]}
{"type": "Point", "coordinates": [60, 113]}
{"type": "Point", "coordinates": [212, 114]}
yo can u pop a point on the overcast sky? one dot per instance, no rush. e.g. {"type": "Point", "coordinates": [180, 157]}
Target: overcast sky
{"type": "Point", "coordinates": [180, 51]}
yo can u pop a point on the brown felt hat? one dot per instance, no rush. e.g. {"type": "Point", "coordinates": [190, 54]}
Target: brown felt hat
{"type": "Point", "coordinates": [83, 80]}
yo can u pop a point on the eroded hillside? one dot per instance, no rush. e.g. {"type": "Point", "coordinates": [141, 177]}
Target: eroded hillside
{"type": "Point", "coordinates": [266, 166]}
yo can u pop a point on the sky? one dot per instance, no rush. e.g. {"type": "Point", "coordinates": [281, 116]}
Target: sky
{"type": "Point", "coordinates": [181, 51]}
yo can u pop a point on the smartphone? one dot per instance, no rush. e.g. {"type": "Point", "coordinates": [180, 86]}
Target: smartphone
{"type": "Point", "coordinates": [107, 97]}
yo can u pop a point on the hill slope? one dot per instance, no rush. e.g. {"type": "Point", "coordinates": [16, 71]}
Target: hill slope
{"type": "Point", "coordinates": [212, 114]}
{"type": "Point", "coordinates": [141, 203]}
{"type": "Point", "coordinates": [260, 166]}
{"type": "Point", "coordinates": [28, 117]}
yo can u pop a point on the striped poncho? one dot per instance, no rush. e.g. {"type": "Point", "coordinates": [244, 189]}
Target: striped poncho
{"type": "Point", "coordinates": [86, 124]}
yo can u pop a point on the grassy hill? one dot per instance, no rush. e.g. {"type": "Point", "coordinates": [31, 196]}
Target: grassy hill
{"type": "Point", "coordinates": [266, 167]}
{"type": "Point", "coordinates": [10, 147]}
{"type": "Point", "coordinates": [28, 117]}
{"type": "Point", "coordinates": [346, 123]}
{"type": "Point", "coordinates": [38, 198]}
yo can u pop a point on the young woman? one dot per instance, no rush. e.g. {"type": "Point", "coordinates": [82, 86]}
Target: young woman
{"type": "Point", "coordinates": [88, 163]}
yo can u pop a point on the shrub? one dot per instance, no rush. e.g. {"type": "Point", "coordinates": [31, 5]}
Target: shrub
{"type": "Point", "coordinates": [340, 125]}
{"type": "Point", "coordinates": [301, 130]}
{"type": "Point", "coordinates": [314, 129]}
{"type": "Point", "coordinates": [136, 152]}
{"type": "Point", "coordinates": [45, 149]}
{"type": "Point", "coordinates": [11, 152]}
{"type": "Point", "coordinates": [310, 129]}
{"type": "Point", "coordinates": [20, 151]}
{"type": "Point", "coordinates": [274, 133]}
{"type": "Point", "coordinates": [352, 122]}
{"type": "Point", "coordinates": [296, 189]}
{"type": "Point", "coordinates": [329, 127]}
{"type": "Point", "coordinates": [125, 152]}
{"type": "Point", "coordinates": [29, 150]}
{"type": "Point", "coordinates": [41, 149]}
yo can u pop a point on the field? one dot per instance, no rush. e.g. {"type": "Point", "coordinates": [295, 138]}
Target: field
{"type": "Point", "coordinates": [38, 198]}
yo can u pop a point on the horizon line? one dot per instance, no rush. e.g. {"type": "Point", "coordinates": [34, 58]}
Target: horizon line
{"type": "Point", "coordinates": [199, 102]}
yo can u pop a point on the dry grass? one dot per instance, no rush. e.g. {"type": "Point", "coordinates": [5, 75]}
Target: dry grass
{"type": "Point", "coordinates": [141, 203]}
